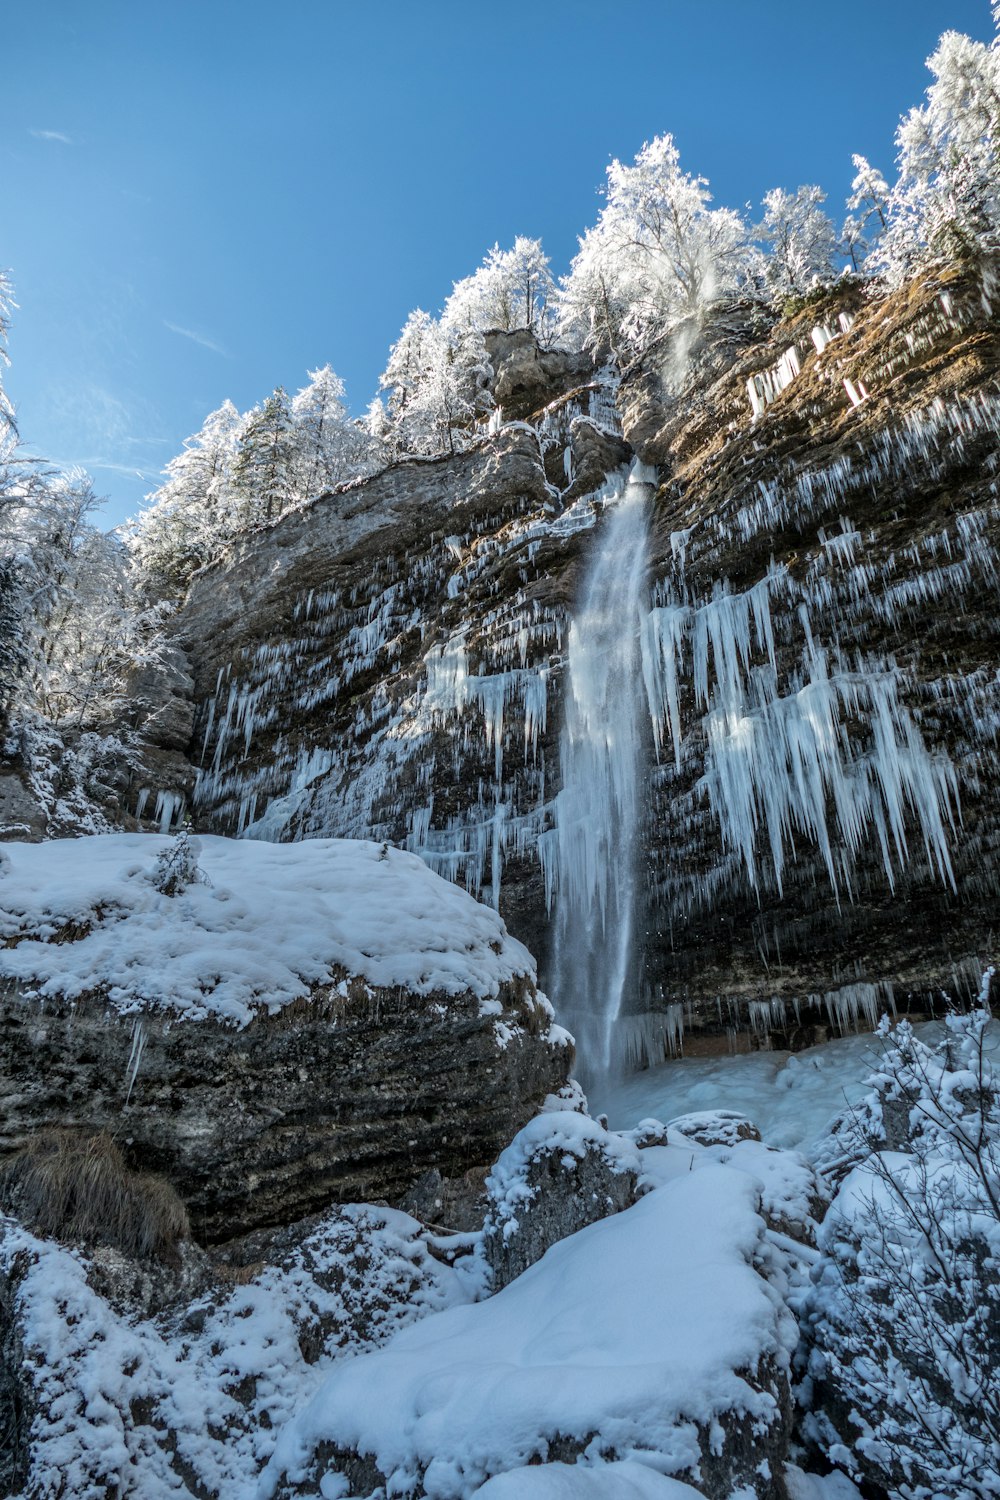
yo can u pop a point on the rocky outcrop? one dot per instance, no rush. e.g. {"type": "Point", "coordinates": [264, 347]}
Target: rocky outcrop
{"type": "Point", "coordinates": [527, 377]}
{"type": "Point", "coordinates": [560, 1173]}
{"type": "Point", "coordinates": [298, 1025]}
{"type": "Point", "coordinates": [819, 656]}
{"type": "Point", "coordinates": [347, 1098]}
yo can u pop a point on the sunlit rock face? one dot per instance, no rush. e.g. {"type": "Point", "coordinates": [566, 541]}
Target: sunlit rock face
{"type": "Point", "coordinates": [818, 658]}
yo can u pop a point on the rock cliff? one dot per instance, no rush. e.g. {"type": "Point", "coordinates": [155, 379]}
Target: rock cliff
{"type": "Point", "coordinates": [819, 654]}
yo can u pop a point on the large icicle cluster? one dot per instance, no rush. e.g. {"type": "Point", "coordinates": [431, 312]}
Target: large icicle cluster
{"type": "Point", "coordinates": [785, 763]}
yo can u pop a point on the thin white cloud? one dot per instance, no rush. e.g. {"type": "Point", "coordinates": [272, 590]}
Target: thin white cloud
{"type": "Point", "coordinates": [52, 135]}
{"type": "Point", "coordinates": [197, 338]}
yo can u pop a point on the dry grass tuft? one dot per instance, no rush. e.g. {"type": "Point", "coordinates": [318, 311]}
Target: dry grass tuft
{"type": "Point", "coordinates": [72, 1186]}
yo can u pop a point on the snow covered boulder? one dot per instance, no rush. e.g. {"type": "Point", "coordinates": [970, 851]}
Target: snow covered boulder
{"type": "Point", "coordinates": [284, 1026]}
{"type": "Point", "coordinates": [647, 1338]}
{"type": "Point", "coordinates": [715, 1127]}
{"type": "Point", "coordinates": [614, 1481]}
{"type": "Point", "coordinates": [560, 1173]}
{"type": "Point", "coordinates": [99, 1402]}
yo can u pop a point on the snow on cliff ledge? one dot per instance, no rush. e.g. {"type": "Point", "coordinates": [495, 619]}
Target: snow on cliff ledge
{"type": "Point", "coordinates": [271, 922]}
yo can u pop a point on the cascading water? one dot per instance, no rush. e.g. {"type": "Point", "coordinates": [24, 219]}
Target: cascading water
{"type": "Point", "coordinates": [593, 848]}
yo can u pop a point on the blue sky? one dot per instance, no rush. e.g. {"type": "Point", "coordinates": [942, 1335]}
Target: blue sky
{"type": "Point", "coordinates": [204, 199]}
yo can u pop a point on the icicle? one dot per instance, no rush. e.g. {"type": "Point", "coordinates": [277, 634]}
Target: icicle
{"type": "Point", "coordinates": [135, 1056]}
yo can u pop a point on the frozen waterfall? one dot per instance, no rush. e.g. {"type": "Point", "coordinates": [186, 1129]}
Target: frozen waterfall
{"type": "Point", "coordinates": [591, 855]}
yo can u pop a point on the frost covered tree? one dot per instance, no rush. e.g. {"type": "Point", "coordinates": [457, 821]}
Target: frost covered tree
{"type": "Point", "coordinates": [84, 626]}
{"type": "Point", "coordinates": [869, 194]}
{"type": "Point", "coordinates": [801, 242]}
{"type": "Point", "coordinates": [946, 201]}
{"type": "Point", "coordinates": [437, 383]}
{"type": "Point", "coordinates": [330, 447]}
{"type": "Point", "coordinates": [906, 1305]}
{"type": "Point", "coordinates": [657, 254]}
{"type": "Point", "coordinates": [264, 467]}
{"type": "Point", "coordinates": [191, 516]}
{"type": "Point", "coordinates": [512, 289]}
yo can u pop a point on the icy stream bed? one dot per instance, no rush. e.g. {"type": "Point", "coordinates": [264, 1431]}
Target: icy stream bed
{"type": "Point", "coordinates": [790, 1096]}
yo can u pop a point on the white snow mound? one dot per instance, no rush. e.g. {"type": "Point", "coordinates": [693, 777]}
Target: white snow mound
{"type": "Point", "coordinates": [573, 1482]}
{"type": "Point", "coordinates": [270, 922]}
{"type": "Point", "coordinates": [628, 1337]}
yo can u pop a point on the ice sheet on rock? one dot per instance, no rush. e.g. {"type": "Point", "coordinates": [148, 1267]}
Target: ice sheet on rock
{"type": "Point", "coordinates": [272, 922]}
{"type": "Point", "coordinates": [792, 1098]}
{"type": "Point", "coordinates": [627, 1364]}
{"type": "Point", "coordinates": [804, 1486]}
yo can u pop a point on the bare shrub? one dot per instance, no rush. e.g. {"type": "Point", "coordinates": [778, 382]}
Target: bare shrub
{"type": "Point", "coordinates": [71, 1186]}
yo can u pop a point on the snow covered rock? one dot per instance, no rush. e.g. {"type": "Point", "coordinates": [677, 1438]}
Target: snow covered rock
{"type": "Point", "coordinates": [308, 1022]}
{"type": "Point", "coordinates": [100, 1401]}
{"type": "Point", "coordinates": [647, 1337]}
{"type": "Point", "coordinates": [715, 1127]}
{"type": "Point", "coordinates": [560, 1173]}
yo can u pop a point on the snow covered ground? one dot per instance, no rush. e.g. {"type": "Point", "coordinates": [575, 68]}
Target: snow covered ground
{"type": "Point", "coordinates": [266, 924]}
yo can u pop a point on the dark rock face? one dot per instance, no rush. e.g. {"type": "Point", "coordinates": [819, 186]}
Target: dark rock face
{"type": "Point", "coordinates": [563, 1172]}
{"type": "Point", "coordinates": [334, 1099]}
{"type": "Point", "coordinates": [822, 835]}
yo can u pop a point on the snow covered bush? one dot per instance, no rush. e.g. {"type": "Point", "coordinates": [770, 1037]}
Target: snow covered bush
{"type": "Point", "coordinates": [906, 1306]}
{"type": "Point", "coordinates": [177, 865]}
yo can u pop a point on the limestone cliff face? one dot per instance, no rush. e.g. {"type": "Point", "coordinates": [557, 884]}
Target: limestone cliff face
{"type": "Point", "coordinates": [383, 663]}
{"type": "Point", "coordinates": [820, 655]}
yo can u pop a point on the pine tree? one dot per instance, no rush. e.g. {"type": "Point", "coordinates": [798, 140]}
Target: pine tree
{"type": "Point", "coordinates": [264, 470]}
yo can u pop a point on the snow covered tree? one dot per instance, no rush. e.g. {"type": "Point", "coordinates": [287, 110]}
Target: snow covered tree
{"type": "Point", "coordinates": [437, 384]}
{"type": "Point", "coordinates": [801, 241]}
{"type": "Point", "coordinates": [330, 447]}
{"type": "Point", "coordinates": [946, 202]}
{"type": "Point", "coordinates": [658, 253]}
{"type": "Point", "coordinates": [869, 193]}
{"type": "Point", "coordinates": [191, 516]}
{"type": "Point", "coordinates": [511, 289]}
{"type": "Point", "coordinates": [83, 626]}
{"type": "Point", "coordinates": [593, 300]}
{"type": "Point", "coordinates": [264, 468]}
{"type": "Point", "coordinates": [906, 1306]}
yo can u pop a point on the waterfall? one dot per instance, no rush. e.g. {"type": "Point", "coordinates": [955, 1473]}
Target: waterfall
{"type": "Point", "coordinates": [592, 853]}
